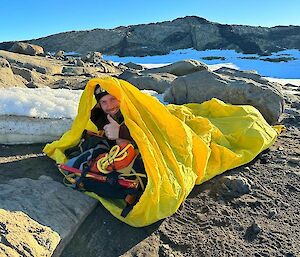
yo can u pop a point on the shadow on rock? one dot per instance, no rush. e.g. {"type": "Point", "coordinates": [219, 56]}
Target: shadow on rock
{"type": "Point", "coordinates": [26, 161]}
{"type": "Point", "coordinates": [101, 234]}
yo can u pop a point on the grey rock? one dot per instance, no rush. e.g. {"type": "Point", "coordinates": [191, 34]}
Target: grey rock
{"type": "Point", "coordinates": [153, 81]}
{"type": "Point", "coordinates": [79, 63]}
{"type": "Point", "coordinates": [232, 186]}
{"type": "Point", "coordinates": [252, 231]}
{"type": "Point", "coordinates": [92, 57]}
{"type": "Point", "coordinates": [4, 63]}
{"type": "Point", "coordinates": [60, 54]}
{"type": "Point", "coordinates": [272, 213]}
{"type": "Point", "coordinates": [180, 68]}
{"type": "Point", "coordinates": [23, 72]}
{"type": "Point", "coordinates": [40, 64]}
{"type": "Point", "coordinates": [49, 203]}
{"type": "Point", "coordinates": [134, 66]}
{"type": "Point", "coordinates": [203, 85]}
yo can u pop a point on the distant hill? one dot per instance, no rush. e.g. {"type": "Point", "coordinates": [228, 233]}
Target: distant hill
{"type": "Point", "coordinates": [162, 37]}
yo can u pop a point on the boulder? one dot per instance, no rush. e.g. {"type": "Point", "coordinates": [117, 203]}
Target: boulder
{"type": "Point", "coordinates": [55, 212]}
{"type": "Point", "coordinates": [90, 71]}
{"type": "Point", "coordinates": [204, 85]}
{"type": "Point", "coordinates": [248, 74]}
{"type": "Point", "coordinates": [232, 186]}
{"type": "Point", "coordinates": [40, 64]}
{"type": "Point", "coordinates": [29, 49]}
{"type": "Point", "coordinates": [158, 82]}
{"type": "Point", "coordinates": [107, 67]}
{"type": "Point", "coordinates": [93, 57]}
{"type": "Point", "coordinates": [134, 66]}
{"type": "Point", "coordinates": [60, 54]}
{"type": "Point", "coordinates": [180, 68]}
{"type": "Point", "coordinates": [34, 78]}
{"type": "Point", "coordinates": [122, 67]}
{"type": "Point", "coordinates": [79, 63]}
{"type": "Point", "coordinates": [23, 236]}
{"type": "Point", "coordinates": [7, 77]}
{"type": "Point", "coordinates": [23, 72]}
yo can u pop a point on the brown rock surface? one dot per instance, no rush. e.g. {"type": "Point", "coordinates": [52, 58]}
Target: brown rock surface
{"type": "Point", "coordinates": [40, 64]}
{"type": "Point", "coordinates": [23, 236]}
{"type": "Point", "coordinates": [25, 48]}
{"type": "Point", "coordinates": [7, 77]}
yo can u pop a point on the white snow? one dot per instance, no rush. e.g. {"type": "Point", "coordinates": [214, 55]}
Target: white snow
{"type": "Point", "coordinates": [40, 102]}
{"type": "Point", "coordinates": [288, 70]}
{"type": "Point", "coordinates": [295, 82]}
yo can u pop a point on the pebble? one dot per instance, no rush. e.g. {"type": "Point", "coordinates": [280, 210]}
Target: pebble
{"type": "Point", "coordinates": [255, 228]}
{"type": "Point", "coordinates": [294, 160]}
{"type": "Point", "coordinates": [272, 213]}
{"type": "Point", "coordinates": [280, 148]}
{"type": "Point", "coordinates": [234, 186]}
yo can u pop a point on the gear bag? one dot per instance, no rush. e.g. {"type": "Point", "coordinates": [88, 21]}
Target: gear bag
{"type": "Point", "coordinates": [108, 172]}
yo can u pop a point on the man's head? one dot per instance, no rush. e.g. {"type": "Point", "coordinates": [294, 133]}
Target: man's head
{"type": "Point", "coordinates": [108, 103]}
{"type": "Point", "coordinates": [99, 92]}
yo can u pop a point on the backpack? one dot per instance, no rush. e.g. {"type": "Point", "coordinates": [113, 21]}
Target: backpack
{"type": "Point", "coordinates": [110, 172]}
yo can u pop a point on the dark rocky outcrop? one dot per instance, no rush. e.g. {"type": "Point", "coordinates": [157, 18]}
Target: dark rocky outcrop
{"type": "Point", "coordinates": [162, 37]}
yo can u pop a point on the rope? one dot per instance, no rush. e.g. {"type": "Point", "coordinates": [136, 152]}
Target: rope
{"type": "Point", "coordinates": [114, 155]}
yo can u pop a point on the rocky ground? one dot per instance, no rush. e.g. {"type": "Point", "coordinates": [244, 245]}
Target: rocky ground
{"type": "Point", "coordinates": [249, 211]}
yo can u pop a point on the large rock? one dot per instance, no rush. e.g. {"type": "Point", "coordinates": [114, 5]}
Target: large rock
{"type": "Point", "coordinates": [107, 67]}
{"type": "Point", "coordinates": [60, 54]}
{"type": "Point", "coordinates": [23, 236]}
{"type": "Point", "coordinates": [134, 66]}
{"type": "Point", "coordinates": [7, 77]}
{"type": "Point", "coordinates": [93, 57]}
{"type": "Point", "coordinates": [48, 203]}
{"type": "Point", "coordinates": [154, 81]}
{"type": "Point", "coordinates": [40, 64]}
{"type": "Point", "coordinates": [180, 68]}
{"type": "Point", "coordinates": [204, 85]}
{"type": "Point", "coordinates": [25, 48]}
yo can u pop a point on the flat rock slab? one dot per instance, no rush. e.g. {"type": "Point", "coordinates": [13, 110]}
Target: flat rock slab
{"type": "Point", "coordinates": [22, 236]}
{"type": "Point", "coordinates": [28, 130]}
{"type": "Point", "coordinates": [48, 203]}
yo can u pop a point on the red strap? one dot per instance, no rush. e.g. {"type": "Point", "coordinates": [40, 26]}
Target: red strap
{"type": "Point", "coordinates": [122, 182]}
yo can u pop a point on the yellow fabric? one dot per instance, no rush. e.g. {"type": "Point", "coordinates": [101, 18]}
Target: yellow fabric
{"type": "Point", "coordinates": [181, 145]}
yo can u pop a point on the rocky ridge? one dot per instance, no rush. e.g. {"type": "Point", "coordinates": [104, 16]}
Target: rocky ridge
{"type": "Point", "coordinates": [162, 37]}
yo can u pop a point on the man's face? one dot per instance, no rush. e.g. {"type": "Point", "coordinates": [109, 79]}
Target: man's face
{"type": "Point", "coordinates": [109, 104]}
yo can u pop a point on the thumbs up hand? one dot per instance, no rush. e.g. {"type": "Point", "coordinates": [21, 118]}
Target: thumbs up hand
{"type": "Point", "coordinates": [112, 128]}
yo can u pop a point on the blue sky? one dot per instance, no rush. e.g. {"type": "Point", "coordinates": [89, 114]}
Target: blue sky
{"type": "Point", "coordinates": [29, 19]}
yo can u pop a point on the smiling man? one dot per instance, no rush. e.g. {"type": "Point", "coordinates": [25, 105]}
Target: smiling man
{"type": "Point", "coordinates": [106, 115]}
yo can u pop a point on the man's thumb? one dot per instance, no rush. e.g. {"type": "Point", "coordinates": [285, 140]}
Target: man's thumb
{"type": "Point", "coordinates": [110, 119]}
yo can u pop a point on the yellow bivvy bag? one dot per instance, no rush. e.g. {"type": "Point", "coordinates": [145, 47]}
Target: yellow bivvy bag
{"type": "Point", "coordinates": [181, 145]}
